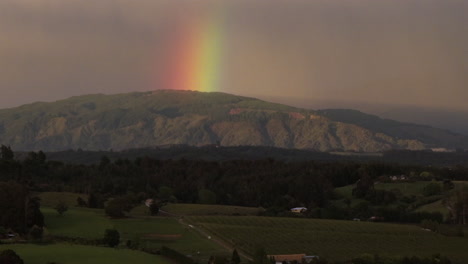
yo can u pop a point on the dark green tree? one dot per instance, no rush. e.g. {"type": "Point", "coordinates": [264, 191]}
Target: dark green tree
{"type": "Point", "coordinates": [80, 202]}
{"type": "Point", "coordinates": [118, 206]}
{"type": "Point", "coordinates": [111, 237]}
{"type": "Point", "coordinates": [206, 196]}
{"type": "Point", "coordinates": [457, 203]}
{"type": "Point", "coordinates": [260, 256]}
{"type": "Point", "coordinates": [433, 188]}
{"type": "Point", "coordinates": [13, 197]}
{"type": "Point", "coordinates": [94, 201]}
{"type": "Point", "coordinates": [33, 213]}
{"type": "Point", "coordinates": [6, 153]}
{"type": "Point", "coordinates": [9, 256]}
{"type": "Point", "coordinates": [154, 208]}
{"type": "Point", "coordinates": [61, 207]}
{"type": "Point", "coordinates": [235, 259]}
{"type": "Point", "coordinates": [35, 233]}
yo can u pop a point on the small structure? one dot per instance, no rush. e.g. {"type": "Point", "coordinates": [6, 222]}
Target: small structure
{"type": "Point", "coordinates": [292, 259]}
{"type": "Point", "coordinates": [149, 202]}
{"type": "Point", "coordinates": [376, 219]}
{"type": "Point", "coordinates": [288, 259]}
{"type": "Point", "coordinates": [398, 178]}
{"type": "Point", "coordinates": [298, 210]}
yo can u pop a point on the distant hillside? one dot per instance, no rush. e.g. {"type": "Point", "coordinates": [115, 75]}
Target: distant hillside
{"type": "Point", "coordinates": [163, 117]}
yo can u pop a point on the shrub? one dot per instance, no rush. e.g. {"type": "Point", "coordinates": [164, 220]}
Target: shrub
{"type": "Point", "coordinates": [111, 237]}
{"type": "Point", "coordinates": [9, 256]}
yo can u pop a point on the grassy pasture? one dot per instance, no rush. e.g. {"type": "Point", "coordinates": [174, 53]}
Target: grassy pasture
{"type": "Point", "coordinates": [210, 209]}
{"type": "Point", "coordinates": [332, 239]}
{"type": "Point", "coordinates": [76, 222]}
{"type": "Point", "coordinates": [149, 232]}
{"type": "Point", "coordinates": [76, 254]}
{"type": "Point", "coordinates": [406, 188]}
{"type": "Point", "coordinates": [50, 199]}
{"type": "Point", "coordinates": [434, 207]}
{"type": "Point", "coordinates": [155, 232]}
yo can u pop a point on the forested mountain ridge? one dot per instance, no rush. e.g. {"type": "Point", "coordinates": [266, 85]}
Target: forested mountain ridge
{"type": "Point", "coordinates": [167, 117]}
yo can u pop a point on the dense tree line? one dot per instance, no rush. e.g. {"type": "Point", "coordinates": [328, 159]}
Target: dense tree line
{"type": "Point", "coordinates": [277, 185]}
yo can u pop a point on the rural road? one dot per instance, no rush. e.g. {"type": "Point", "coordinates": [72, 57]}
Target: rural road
{"type": "Point", "coordinates": [205, 234]}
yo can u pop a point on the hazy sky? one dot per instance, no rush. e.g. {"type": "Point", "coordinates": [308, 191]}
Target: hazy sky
{"type": "Point", "coordinates": [412, 52]}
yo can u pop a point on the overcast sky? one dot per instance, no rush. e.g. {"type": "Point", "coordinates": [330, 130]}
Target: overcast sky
{"type": "Point", "coordinates": [412, 52]}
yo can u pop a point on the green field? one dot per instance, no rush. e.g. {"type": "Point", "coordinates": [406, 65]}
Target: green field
{"type": "Point", "coordinates": [76, 222]}
{"type": "Point", "coordinates": [205, 209]}
{"type": "Point", "coordinates": [76, 254]}
{"type": "Point", "coordinates": [50, 199]}
{"type": "Point", "coordinates": [149, 232]}
{"type": "Point", "coordinates": [332, 239]}
{"type": "Point", "coordinates": [434, 207]}
{"type": "Point", "coordinates": [406, 188]}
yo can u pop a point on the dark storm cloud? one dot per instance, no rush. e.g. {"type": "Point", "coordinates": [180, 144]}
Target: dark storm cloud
{"type": "Point", "coordinates": [400, 51]}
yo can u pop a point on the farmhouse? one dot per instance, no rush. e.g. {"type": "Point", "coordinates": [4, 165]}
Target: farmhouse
{"type": "Point", "coordinates": [298, 209]}
{"type": "Point", "coordinates": [292, 259]}
{"type": "Point", "coordinates": [149, 202]}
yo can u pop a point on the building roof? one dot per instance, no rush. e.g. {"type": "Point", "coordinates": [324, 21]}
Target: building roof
{"type": "Point", "coordinates": [291, 257]}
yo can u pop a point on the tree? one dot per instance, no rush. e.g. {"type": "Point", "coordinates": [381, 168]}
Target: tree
{"type": "Point", "coordinates": [165, 192]}
{"type": "Point", "coordinates": [457, 203]}
{"type": "Point", "coordinates": [61, 207]}
{"type": "Point", "coordinates": [80, 202]}
{"type": "Point", "coordinates": [235, 259]}
{"type": "Point", "coordinates": [6, 153]}
{"type": "Point", "coordinates": [364, 186]}
{"type": "Point", "coordinates": [260, 256]}
{"type": "Point", "coordinates": [36, 232]}
{"type": "Point", "coordinates": [111, 237]}
{"type": "Point", "coordinates": [9, 256]}
{"type": "Point", "coordinates": [13, 197]}
{"type": "Point", "coordinates": [206, 196]}
{"type": "Point", "coordinates": [118, 206]}
{"type": "Point", "coordinates": [114, 209]}
{"type": "Point", "coordinates": [432, 188]}
{"type": "Point", "coordinates": [93, 201]}
{"type": "Point", "coordinates": [154, 208]}
{"type": "Point", "coordinates": [33, 213]}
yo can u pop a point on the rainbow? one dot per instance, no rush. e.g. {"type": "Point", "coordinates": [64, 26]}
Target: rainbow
{"type": "Point", "coordinates": [194, 61]}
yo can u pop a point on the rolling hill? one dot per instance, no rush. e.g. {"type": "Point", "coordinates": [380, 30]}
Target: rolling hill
{"type": "Point", "coordinates": [168, 117]}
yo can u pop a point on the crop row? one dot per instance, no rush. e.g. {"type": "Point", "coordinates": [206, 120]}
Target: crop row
{"type": "Point", "coordinates": [336, 240]}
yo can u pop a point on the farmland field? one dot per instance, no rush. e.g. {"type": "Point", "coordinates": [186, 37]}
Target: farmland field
{"type": "Point", "coordinates": [76, 254]}
{"type": "Point", "coordinates": [51, 199]}
{"type": "Point", "coordinates": [332, 239]}
{"type": "Point", "coordinates": [149, 232]}
{"type": "Point", "coordinates": [76, 222]}
{"type": "Point", "coordinates": [205, 209]}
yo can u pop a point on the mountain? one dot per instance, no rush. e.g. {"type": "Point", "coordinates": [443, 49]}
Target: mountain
{"type": "Point", "coordinates": [168, 117]}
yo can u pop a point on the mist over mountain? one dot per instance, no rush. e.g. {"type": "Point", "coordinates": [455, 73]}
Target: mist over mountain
{"type": "Point", "coordinates": [167, 117]}
{"type": "Point", "coordinates": [444, 118]}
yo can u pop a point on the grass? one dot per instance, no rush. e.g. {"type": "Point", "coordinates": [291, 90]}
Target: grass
{"type": "Point", "coordinates": [434, 207]}
{"type": "Point", "coordinates": [50, 199]}
{"type": "Point", "coordinates": [76, 222]}
{"type": "Point", "coordinates": [406, 188]}
{"type": "Point", "coordinates": [206, 209]}
{"type": "Point", "coordinates": [332, 239]}
{"type": "Point", "coordinates": [149, 232]}
{"type": "Point", "coordinates": [155, 232]}
{"type": "Point", "coordinates": [76, 254]}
